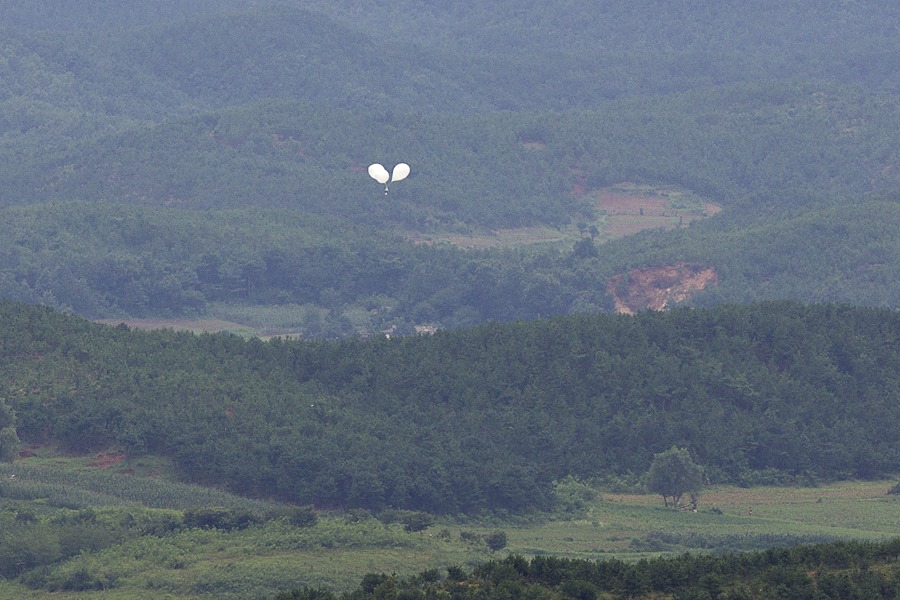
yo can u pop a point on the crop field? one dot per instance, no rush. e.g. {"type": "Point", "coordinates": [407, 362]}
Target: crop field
{"type": "Point", "coordinates": [135, 543]}
{"type": "Point", "coordinates": [630, 208]}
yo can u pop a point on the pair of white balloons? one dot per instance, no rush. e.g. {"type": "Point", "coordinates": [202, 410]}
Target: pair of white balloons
{"type": "Point", "coordinates": [380, 174]}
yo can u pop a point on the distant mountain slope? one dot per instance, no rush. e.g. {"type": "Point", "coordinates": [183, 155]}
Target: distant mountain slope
{"type": "Point", "coordinates": [761, 148]}
{"type": "Point", "coordinates": [455, 57]}
{"type": "Point", "coordinates": [573, 52]}
{"type": "Point", "coordinates": [779, 114]}
{"type": "Point", "coordinates": [106, 15]}
{"type": "Point", "coordinates": [297, 54]}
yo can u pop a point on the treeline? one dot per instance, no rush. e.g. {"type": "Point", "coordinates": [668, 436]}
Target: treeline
{"type": "Point", "coordinates": [836, 571]}
{"type": "Point", "coordinates": [479, 419]}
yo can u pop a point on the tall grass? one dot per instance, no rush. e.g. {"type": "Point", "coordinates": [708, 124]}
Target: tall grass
{"type": "Point", "coordinates": [84, 489]}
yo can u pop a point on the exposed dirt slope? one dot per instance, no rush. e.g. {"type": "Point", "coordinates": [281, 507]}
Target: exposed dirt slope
{"type": "Point", "coordinates": [658, 288]}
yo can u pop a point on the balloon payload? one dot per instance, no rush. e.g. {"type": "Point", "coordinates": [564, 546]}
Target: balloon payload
{"type": "Point", "coordinates": [381, 175]}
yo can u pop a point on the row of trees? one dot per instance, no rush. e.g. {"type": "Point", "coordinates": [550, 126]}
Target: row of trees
{"type": "Point", "coordinates": [9, 439]}
{"type": "Point", "coordinates": [475, 419]}
{"type": "Point", "coordinates": [829, 571]}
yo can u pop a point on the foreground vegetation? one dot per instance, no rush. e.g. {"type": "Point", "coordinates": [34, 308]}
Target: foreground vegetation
{"type": "Point", "coordinates": [70, 530]}
{"type": "Point", "coordinates": [838, 571]}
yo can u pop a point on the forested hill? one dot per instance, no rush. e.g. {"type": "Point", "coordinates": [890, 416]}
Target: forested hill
{"type": "Point", "coordinates": [336, 279]}
{"type": "Point", "coordinates": [754, 150]}
{"type": "Point", "coordinates": [577, 53]}
{"type": "Point", "coordinates": [559, 55]}
{"type": "Point", "coordinates": [474, 419]}
{"type": "Point", "coordinates": [784, 116]}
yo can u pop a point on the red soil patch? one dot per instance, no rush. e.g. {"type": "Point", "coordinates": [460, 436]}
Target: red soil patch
{"type": "Point", "coordinates": [712, 209]}
{"type": "Point", "coordinates": [104, 461]}
{"type": "Point", "coordinates": [657, 288]}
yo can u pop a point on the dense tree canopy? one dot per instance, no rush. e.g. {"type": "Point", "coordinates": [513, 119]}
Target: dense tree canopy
{"type": "Point", "coordinates": [475, 419]}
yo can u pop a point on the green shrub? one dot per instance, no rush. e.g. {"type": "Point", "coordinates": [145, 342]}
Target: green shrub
{"type": "Point", "coordinates": [417, 521]}
{"type": "Point", "coordinates": [572, 495]}
{"type": "Point", "coordinates": [162, 524]}
{"type": "Point", "coordinates": [9, 444]}
{"type": "Point", "coordinates": [412, 520]}
{"type": "Point", "coordinates": [304, 516]}
{"type": "Point", "coordinates": [496, 540]}
{"type": "Point", "coordinates": [306, 594]}
{"type": "Point", "coordinates": [219, 518]}
{"type": "Point", "coordinates": [470, 537]}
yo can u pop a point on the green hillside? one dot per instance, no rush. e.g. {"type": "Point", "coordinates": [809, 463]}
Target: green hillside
{"type": "Point", "coordinates": [760, 149]}
{"type": "Point", "coordinates": [323, 278]}
{"type": "Point", "coordinates": [202, 164]}
{"type": "Point", "coordinates": [483, 418]}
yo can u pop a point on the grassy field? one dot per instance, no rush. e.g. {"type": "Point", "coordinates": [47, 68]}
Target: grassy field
{"type": "Point", "coordinates": [273, 554]}
{"type": "Point", "coordinates": [630, 526]}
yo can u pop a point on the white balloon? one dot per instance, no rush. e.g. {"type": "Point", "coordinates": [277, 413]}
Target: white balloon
{"type": "Point", "coordinates": [378, 173]}
{"type": "Point", "coordinates": [401, 171]}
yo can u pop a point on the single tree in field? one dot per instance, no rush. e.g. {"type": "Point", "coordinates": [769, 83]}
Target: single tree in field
{"type": "Point", "coordinates": [673, 473]}
{"type": "Point", "coordinates": [496, 540]}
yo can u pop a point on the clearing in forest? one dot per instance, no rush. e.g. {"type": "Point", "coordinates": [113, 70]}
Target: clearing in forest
{"type": "Point", "coordinates": [628, 208]}
{"type": "Point", "coordinates": [621, 210]}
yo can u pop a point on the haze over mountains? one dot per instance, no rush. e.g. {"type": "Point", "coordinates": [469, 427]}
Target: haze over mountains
{"type": "Point", "coordinates": [202, 164]}
{"type": "Point", "coordinates": [786, 118]}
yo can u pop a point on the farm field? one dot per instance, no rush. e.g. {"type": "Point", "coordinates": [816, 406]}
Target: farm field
{"type": "Point", "coordinates": [272, 554]}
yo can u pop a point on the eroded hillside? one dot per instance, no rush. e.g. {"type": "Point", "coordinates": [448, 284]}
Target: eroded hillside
{"type": "Point", "coordinates": [658, 288]}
